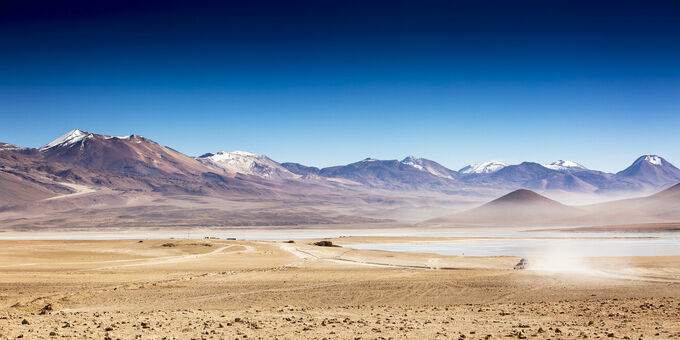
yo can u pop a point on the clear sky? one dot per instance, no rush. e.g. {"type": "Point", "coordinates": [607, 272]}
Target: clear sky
{"type": "Point", "coordinates": [331, 82]}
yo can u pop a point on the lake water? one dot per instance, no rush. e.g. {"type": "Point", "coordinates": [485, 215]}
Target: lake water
{"type": "Point", "coordinates": [478, 243]}
{"type": "Point", "coordinates": [621, 245]}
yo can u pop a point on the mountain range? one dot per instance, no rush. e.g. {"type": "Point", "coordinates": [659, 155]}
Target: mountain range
{"type": "Point", "coordinates": [82, 170]}
{"type": "Point", "coordinates": [140, 163]}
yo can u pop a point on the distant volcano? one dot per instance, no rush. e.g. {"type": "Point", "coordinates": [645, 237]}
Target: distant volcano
{"type": "Point", "coordinates": [651, 169]}
{"type": "Point", "coordinates": [518, 207]}
{"type": "Point", "coordinates": [523, 196]}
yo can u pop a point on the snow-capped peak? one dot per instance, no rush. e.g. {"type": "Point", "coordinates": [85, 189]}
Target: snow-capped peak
{"type": "Point", "coordinates": [244, 153]}
{"type": "Point", "coordinates": [653, 159]}
{"type": "Point", "coordinates": [71, 137]}
{"type": "Point", "coordinates": [483, 168]}
{"type": "Point", "coordinates": [223, 156]}
{"type": "Point", "coordinates": [120, 137]}
{"type": "Point", "coordinates": [5, 146]}
{"type": "Point", "coordinates": [564, 165]}
{"type": "Point", "coordinates": [414, 162]}
{"type": "Point", "coordinates": [426, 165]}
{"type": "Point", "coordinates": [246, 163]}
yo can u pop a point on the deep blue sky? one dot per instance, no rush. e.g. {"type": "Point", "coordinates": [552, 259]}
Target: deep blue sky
{"type": "Point", "coordinates": [331, 82]}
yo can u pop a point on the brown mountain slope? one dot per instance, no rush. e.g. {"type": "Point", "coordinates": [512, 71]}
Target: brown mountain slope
{"type": "Point", "coordinates": [523, 196]}
{"type": "Point", "coordinates": [130, 164]}
{"type": "Point", "coordinates": [527, 208]}
{"type": "Point", "coordinates": [519, 207]}
{"type": "Point", "coordinates": [132, 154]}
{"type": "Point", "coordinates": [661, 207]}
{"type": "Point", "coordinates": [23, 178]}
{"type": "Point", "coordinates": [672, 193]}
{"type": "Point", "coordinates": [14, 189]}
{"type": "Point", "coordinates": [135, 163]}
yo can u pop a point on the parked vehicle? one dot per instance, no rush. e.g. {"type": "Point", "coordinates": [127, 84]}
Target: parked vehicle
{"type": "Point", "coordinates": [522, 264]}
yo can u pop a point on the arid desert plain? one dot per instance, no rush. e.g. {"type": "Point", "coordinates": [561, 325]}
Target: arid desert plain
{"type": "Point", "coordinates": [223, 288]}
{"type": "Point", "coordinates": [305, 169]}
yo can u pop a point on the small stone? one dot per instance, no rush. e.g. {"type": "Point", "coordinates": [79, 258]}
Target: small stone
{"type": "Point", "coordinates": [45, 309]}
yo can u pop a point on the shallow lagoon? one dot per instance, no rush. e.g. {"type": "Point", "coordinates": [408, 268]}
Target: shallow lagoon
{"type": "Point", "coordinates": [620, 245]}
{"type": "Point", "coordinates": [472, 243]}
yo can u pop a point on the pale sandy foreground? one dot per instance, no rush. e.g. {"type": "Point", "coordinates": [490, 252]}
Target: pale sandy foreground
{"type": "Point", "coordinates": [217, 289]}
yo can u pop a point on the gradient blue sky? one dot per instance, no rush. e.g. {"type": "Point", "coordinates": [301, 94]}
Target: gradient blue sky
{"type": "Point", "coordinates": [331, 82]}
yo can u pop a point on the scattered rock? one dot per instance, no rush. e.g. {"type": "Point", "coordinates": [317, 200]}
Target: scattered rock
{"type": "Point", "coordinates": [325, 244]}
{"type": "Point", "coordinates": [47, 308]}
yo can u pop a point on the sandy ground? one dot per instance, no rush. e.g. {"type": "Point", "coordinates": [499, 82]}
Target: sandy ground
{"type": "Point", "coordinates": [216, 289]}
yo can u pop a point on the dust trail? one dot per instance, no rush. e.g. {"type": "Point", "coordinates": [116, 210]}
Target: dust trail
{"type": "Point", "coordinates": [570, 260]}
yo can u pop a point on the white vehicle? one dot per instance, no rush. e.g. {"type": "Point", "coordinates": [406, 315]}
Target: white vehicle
{"type": "Point", "coordinates": [522, 264]}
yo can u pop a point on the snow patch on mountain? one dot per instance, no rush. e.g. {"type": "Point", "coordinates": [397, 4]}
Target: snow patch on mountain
{"type": "Point", "coordinates": [653, 159]}
{"type": "Point", "coordinates": [235, 158]}
{"type": "Point", "coordinates": [8, 147]}
{"type": "Point", "coordinates": [72, 137]}
{"type": "Point", "coordinates": [427, 166]}
{"type": "Point", "coordinates": [119, 137]}
{"type": "Point", "coordinates": [246, 163]}
{"type": "Point", "coordinates": [649, 159]}
{"type": "Point", "coordinates": [413, 161]}
{"type": "Point", "coordinates": [483, 168]}
{"type": "Point", "coordinates": [562, 165]}
{"type": "Point", "coordinates": [75, 136]}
